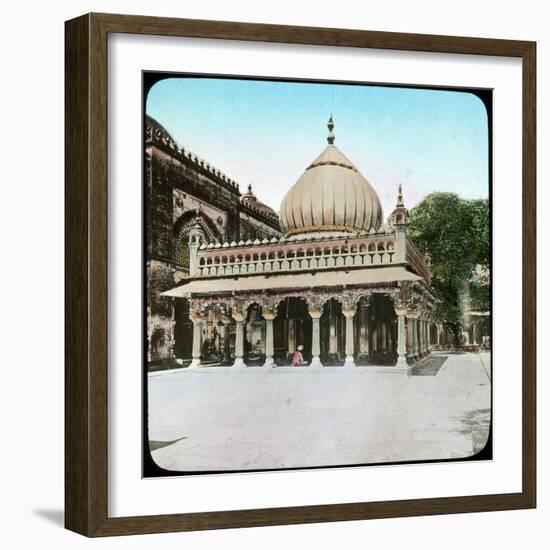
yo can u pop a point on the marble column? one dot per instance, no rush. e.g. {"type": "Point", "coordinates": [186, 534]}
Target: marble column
{"type": "Point", "coordinates": [415, 338]}
{"type": "Point", "coordinates": [239, 315]}
{"type": "Point", "coordinates": [373, 336]}
{"type": "Point", "coordinates": [333, 336]}
{"type": "Point", "coordinates": [384, 331]}
{"type": "Point", "coordinates": [315, 313]}
{"type": "Point", "coordinates": [401, 341]}
{"type": "Point", "coordinates": [419, 330]}
{"type": "Point", "coordinates": [269, 315]}
{"type": "Point", "coordinates": [226, 321]}
{"type": "Point", "coordinates": [291, 335]}
{"type": "Point", "coordinates": [425, 334]}
{"type": "Point", "coordinates": [410, 346]}
{"type": "Point", "coordinates": [197, 319]}
{"type": "Point", "coordinates": [349, 313]}
{"type": "Point", "coordinates": [364, 333]}
{"type": "Point", "coordinates": [428, 337]}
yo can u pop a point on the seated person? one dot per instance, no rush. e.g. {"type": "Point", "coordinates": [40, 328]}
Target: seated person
{"type": "Point", "coordinates": [298, 358]}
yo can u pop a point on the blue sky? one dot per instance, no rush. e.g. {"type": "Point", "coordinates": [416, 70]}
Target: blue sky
{"type": "Point", "coordinates": [266, 133]}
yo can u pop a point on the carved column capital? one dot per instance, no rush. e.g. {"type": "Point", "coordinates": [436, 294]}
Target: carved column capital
{"type": "Point", "coordinates": [196, 314]}
{"type": "Point", "coordinates": [348, 310]}
{"type": "Point", "coordinates": [239, 313]}
{"type": "Point", "coordinates": [269, 308]}
{"type": "Point", "coordinates": [268, 313]}
{"type": "Point", "coordinates": [412, 313]}
{"type": "Point", "coordinates": [315, 311]}
{"type": "Point", "coordinates": [400, 307]}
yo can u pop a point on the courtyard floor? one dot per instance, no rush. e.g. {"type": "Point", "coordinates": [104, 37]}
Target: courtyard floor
{"type": "Point", "coordinates": [220, 418]}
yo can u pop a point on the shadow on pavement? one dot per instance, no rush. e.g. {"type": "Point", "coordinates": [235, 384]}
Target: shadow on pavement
{"type": "Point", "coordinates": [154, 445]}
{"type": "Point", "coordinates": [430, 367]}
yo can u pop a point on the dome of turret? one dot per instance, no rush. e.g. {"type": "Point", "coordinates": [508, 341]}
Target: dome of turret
{"type": "Point", "coordinates": [249, 199]}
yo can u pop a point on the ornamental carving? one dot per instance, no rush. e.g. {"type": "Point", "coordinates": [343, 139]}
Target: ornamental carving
{"type": "Point", "coordinates": [239, 313]}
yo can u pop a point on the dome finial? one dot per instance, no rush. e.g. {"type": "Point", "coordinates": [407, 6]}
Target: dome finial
{"type": "Point", "coordinates": [330, 127]}
{"type": "Point", "coordinates": [400, 202]}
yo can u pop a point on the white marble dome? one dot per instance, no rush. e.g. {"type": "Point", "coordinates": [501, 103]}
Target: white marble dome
{"type": "Point", "coordinates": [330, 196]}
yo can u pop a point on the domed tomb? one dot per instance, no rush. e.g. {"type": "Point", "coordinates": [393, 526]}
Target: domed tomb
{"type": "Point", "coordinates": [330, 196]}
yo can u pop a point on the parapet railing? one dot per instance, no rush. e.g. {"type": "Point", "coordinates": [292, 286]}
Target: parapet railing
{"type": "Point", "coordinates": [218, 260]}
{"type": "Point", "coordinates": [416, 261]}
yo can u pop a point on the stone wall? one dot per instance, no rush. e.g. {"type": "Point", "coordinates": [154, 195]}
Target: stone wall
{"type": "Point", "coordinates": [178, 187]}
{"type": "Point", "coordinates": [160, 334]}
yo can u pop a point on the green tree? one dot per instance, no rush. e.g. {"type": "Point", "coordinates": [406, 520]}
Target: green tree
{"type": "Point", "coordinates": [455, 232]}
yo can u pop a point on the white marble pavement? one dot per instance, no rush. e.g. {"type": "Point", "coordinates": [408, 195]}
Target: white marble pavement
{"type": "Point", "coordinates": [255, 418]}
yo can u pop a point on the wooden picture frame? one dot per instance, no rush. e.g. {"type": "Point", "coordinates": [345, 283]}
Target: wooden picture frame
{"type": "Point", "coordinates": [86, 360]}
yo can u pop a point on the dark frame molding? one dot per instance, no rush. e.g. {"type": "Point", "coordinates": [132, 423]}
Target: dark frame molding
{"type": "Point", "coordinates": [86, 284]}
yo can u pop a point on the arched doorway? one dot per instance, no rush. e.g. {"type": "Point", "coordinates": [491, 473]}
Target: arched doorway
{"type": "Point", "coordinates": [292, 328]}
{"type": "Point", "coordinates": [332, 334]}
{"type": "Point", "coordinates": [383, 330]}
{"type": "Point", "coordinates": [254, 341]}
{"type": "Point", "coordinates": [362, 326]}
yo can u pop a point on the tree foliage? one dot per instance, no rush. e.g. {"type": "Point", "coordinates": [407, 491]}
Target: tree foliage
{"type": "Point", "coordinates": [455, 232]}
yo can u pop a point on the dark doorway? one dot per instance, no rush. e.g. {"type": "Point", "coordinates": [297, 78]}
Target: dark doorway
{"type": "Point", "coordinates": [332, 337]}
{"type": "Point", "coordinates": [183, 330]}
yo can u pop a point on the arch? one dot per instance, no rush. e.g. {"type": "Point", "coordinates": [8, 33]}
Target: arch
{"type": "Point", "coordinates": [189, 220]}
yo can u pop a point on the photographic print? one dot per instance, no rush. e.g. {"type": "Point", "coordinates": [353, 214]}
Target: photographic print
{"type": "Point", "coordinates": [317, 274]}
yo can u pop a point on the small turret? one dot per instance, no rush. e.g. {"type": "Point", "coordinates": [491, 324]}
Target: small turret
{"type": "Point", "coordinates": [400, 215]}
{"type": "Point", "coordinates": [399, 219]}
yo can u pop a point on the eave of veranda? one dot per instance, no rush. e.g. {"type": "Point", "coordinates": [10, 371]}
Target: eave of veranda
{"type": "Point", "coordinates": [304, 282]}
